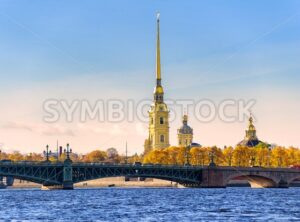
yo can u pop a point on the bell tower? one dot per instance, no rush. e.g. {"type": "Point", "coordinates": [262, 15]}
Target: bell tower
{"type": "Point", "coordinates": [158, 137]}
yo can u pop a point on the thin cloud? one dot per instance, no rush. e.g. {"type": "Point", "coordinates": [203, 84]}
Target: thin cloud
{"type": "Point", "coordinates": [17, 126]}
{"type": "Point", "coordinates": [115, 129]}
{"type": "Point", "coordinates": [57, 131]}
{"type": "Point", "coordinates": [46, 130]}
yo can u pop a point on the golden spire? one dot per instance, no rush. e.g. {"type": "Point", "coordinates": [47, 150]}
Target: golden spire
{"type": "Point", "coordinates": [185, 119]}
{"type": "Point", "coordinates": [185, 116]}
{"type": "Point", "coordinates": [158, 90]}
{"type": "Point", "coordinates": [158, 70]}
{"type": "Point", "coordinates": [251, 125]}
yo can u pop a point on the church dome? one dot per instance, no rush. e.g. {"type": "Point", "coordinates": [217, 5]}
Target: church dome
{"type": "Point", "coordinates": [185, 128]}
{"type": "Point", "coordinates": [250, 139]}
{"type": "Point", "coordinates": [159, 90]}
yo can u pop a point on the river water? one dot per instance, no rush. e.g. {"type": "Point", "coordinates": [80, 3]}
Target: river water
{"type": "Point", "coordinates": [151, 204]}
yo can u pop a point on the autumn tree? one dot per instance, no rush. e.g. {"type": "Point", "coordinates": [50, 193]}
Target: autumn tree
{"type": "Point", "coordinates": [3, 155]}
{"type": "Point", "coordinates": [177, 155]}
{"type": "Point", "coordinates": [135, 158]}
{"type": "Point", "coordinates": [113, 155]}
{"type": "Point", "coordinates": [228, 155]}
{"type": "Point", "coordinates": [293, 156]}
{"type": "Point", "coordinates": [158, 156]}
{"type": "Point", "coordinates": [95, 156]}
{"type": "Point", "coordinates": [263, 155]}
{"type": "Point", "coordinates": [33, 157]}
{"type": "Point", "coordinates": [200, 156]}
{"type": "Point", "coordinates": [279, 157]}
{"type": "Point", "coordinates": [217, 155]}
{"type": "Point", "coordinates": [241, 156]}
{"type": "Point", "coordinates": [15, 156]}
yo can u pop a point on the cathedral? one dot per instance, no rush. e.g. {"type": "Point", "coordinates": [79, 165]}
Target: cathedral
{"type": "Point", "coordinates": [158, 136]}
{"type": "Point", "coordinates": [250, 139]}
{"type": "Point", "coordinates": [158, 131]}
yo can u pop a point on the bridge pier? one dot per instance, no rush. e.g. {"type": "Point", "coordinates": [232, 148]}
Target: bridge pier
{"type": "Point", "coordinates": [212, 178]}
{"type": "Point", "coordinates": [68, 185]}
{"type": "Point", "coordinates": [67, 179]}
{"type": "Point", "coordinates": [68, 175]}
{"type": "Point", "coordinates": [283, 184]}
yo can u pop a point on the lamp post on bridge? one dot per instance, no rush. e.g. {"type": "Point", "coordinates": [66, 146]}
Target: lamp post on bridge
{"type": "Point", "coordinates": [269, 156]}
{"type": "Point", "coordinates": [252, 161]}
{"type": "Point", "coordinates": [47, 152]}
{"type": "Point", "coordinates": [197, 161]}
{"type": "Point", "coordinates": [68, 151]}
{"type": "Point", "coordinates": [126, 154]}
{"type": "Point", "coordinates": [212, 159]}
{"type": "Point", "coordinates": [67, 171]}
{"type": "Point", "coordinates": [187, 157]}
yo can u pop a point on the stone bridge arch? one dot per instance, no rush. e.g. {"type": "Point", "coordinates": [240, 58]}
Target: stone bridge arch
{"type": "Point", "coordinates": [293, 178]}
{"type": "Point", "coordinates": [255, 180]}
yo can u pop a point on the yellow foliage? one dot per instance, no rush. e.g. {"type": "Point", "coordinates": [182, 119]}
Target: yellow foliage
{"type": "Point", "coordinates": [279, 157]}
{"type": "Point", "coordinates": [199, 156]}
{"type": "Point", "coordinates": [241, 156]}
{"type": "Point", "coordinates": [15, 156]}
{"type": "Point", "coordinates": [228, 156]}
{"type": "Point", "coordinates": [95, 156]}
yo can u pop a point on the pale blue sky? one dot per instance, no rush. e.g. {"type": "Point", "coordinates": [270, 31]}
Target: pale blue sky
{"type": "Point", "coordinates": [210, 49]}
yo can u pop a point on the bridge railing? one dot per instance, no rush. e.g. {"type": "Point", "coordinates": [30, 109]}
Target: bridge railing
{"type": "Point", "coordinates": [133, 165]}
{"type": "Point", "coordinates": [8, 162]}
{"type": "Point", "coordinates": [30, 163]}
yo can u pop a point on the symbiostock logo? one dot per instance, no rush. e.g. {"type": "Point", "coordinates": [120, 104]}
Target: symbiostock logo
{"type": "Point", "coordinates": [114, 110]}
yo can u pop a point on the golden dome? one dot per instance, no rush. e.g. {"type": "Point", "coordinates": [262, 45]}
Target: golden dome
{"type": "Point", "coordinates": [159, 90]}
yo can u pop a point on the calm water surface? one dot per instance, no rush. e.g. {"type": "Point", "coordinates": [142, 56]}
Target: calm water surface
{"type": "Point", "coordinates": [145, 204]}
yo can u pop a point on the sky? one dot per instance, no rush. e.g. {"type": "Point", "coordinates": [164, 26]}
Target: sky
{"type": "Point", "coordinates": [105, 50]}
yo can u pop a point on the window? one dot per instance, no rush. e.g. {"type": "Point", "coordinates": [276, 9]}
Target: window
{"type": "Point", "coordinates": [162, 138]}
{"type": "Point", "coordinates": [161, 120]}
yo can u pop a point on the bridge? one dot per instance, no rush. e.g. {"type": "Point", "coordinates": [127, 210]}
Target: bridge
{"type": "Point", "coordinates": [63, 175]}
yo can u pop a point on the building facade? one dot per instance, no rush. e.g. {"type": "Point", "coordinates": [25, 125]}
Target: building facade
{"type": "Point", "coordinates": [185, 133]}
